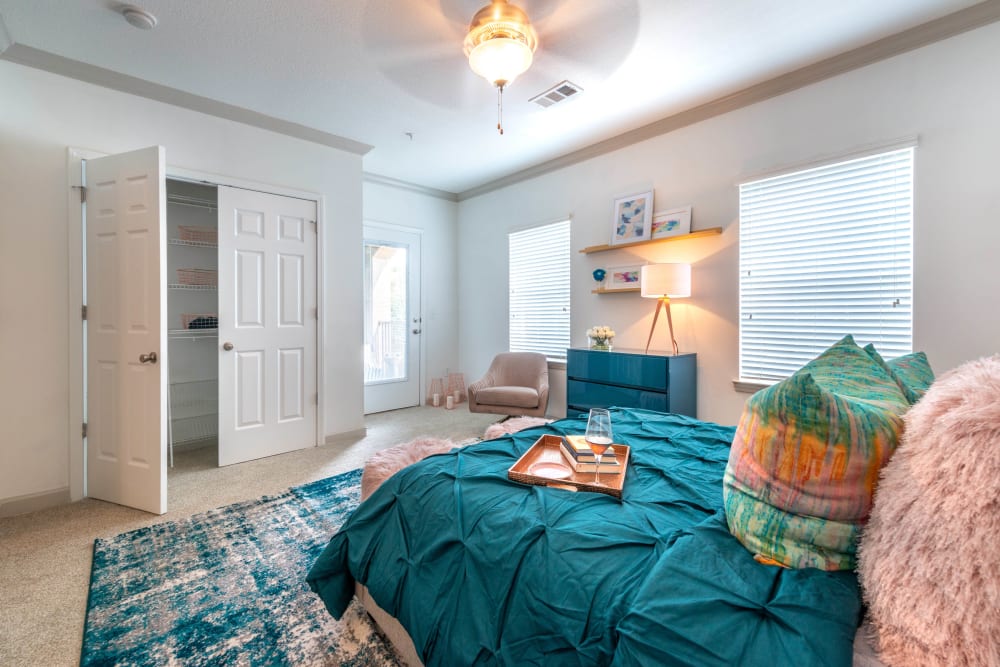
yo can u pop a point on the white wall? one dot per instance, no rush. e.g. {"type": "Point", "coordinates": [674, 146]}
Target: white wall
{"type": "Point", "coordinates": [436, 219]}
{"type": "Point", "coordinates": [42, 114]}
{"type": "Point", "coordinates": [946, 93]}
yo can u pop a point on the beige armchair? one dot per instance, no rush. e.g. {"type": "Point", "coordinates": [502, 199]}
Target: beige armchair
{"type": "Point", "coordinates": [517, 383]}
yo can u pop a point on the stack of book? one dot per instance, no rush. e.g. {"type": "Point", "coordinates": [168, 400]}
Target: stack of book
{"type": "Point", "coordinates": [581, 458]}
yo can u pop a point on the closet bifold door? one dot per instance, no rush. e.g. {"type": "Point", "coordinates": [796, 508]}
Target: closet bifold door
{"type": "Point", "coordinates": [126, 337]}
{"type": "Point", "coordinates": [267, 324]}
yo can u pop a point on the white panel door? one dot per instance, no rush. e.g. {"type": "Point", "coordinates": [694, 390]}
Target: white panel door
{"type": "Point", "coordinates": [126, 342]}
{"type": "Point", "coordinates": [392, 319]}
{"type": "Point", "coordinates": [267, 324]}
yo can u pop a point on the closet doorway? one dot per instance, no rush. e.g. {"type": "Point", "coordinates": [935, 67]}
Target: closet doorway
{"type": "Point", "coordinates": [201, 324]}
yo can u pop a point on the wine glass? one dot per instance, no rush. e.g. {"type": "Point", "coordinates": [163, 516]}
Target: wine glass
{"type": "Point", "coordinates": [599, 437]}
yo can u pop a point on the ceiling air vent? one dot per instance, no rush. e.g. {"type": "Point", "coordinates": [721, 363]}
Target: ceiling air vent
{"type": "Point", "coordinates": [557, 93]}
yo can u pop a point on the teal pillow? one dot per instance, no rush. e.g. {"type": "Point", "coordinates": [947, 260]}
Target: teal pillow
{"type": "Point", "coordinates": [912, 372]}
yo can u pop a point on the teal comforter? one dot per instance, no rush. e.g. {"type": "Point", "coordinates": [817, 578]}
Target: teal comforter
{"type": "Point", "coordinates": [484, 571]}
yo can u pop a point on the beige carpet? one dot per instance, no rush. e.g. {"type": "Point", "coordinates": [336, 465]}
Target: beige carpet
{"type": "Point", "coordinates": [45, 556]}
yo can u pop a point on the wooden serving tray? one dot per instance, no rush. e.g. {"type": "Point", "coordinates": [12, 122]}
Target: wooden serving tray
{"type": "Point", "coordinates": [543, 465]}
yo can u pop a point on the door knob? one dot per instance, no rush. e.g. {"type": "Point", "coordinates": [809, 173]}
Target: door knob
{"type": "Point", "coordinates": [148, 358]}
{"type": "Point", "coordinates": [227, 346]}
{"type": "Point", "coordinates": [416, 331]}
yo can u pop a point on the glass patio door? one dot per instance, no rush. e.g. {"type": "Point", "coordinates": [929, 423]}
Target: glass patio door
{"type": "Point", "coordinates": [392, 321]}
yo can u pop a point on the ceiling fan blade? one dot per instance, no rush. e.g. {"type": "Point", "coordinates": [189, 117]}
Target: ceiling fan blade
{"type": "Point", "coordinates": [415, 44]}
{"type": "Point", "coordinates": [597, 36]}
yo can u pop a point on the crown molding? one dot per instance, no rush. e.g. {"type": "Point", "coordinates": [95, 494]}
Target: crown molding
{"type": "Point", "coordinates": [50, 62]}
{"type": "Point", "coordinates": [369, 177]}
{"type": "Point", "coordinates": [964, 20]}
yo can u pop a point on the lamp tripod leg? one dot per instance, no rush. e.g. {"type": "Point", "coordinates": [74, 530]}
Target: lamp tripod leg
{"type": "Point", "coordinates": [670, 324]}
{"type": "Point", "coordinates": [659, 304]}
{"type": "Point", "coordinates": [665, 304]}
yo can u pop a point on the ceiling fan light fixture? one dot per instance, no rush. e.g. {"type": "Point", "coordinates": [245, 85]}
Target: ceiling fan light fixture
{"type": "Point", "coordinates": [500, 42]}
{"type": "Point", "coordinates": [500, 60]}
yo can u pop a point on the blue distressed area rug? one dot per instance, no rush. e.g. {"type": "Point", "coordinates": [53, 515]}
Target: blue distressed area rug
{"type": "Point", "coordinates": [227, 587]}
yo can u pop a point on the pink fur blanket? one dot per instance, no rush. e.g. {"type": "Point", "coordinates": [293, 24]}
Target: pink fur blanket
{"type": "Point", "coordinates": [512, 425]}
{"type": "Point", "coordinates": [930, 554]}
{"type": "Point", "coordinates": [386, 463]}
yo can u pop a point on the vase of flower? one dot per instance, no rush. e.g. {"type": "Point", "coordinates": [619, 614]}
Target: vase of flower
{"type": "Point", "coordinates": [601, 338]}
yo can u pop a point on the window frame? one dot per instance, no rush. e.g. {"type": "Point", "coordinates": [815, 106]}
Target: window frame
{"type": "Point", "coordinates": [544, 272]}
{"type": "Point", "coordinates": [846, 180]}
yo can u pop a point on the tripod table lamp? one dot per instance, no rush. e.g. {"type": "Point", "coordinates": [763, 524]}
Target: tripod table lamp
{"type": "Point", "coordinates": [661, 282]}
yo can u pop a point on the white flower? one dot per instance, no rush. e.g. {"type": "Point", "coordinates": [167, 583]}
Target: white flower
{"type": "Point", "coordinates": [603, 332]}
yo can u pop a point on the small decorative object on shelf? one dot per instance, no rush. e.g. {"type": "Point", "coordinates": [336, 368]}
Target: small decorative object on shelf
{"type": "Point", "coordinates": [199, 321]}
{"type": "Point", "coordinates": [599, 275]}
{"type": "Point", "coordinates": [601, 337]}
{"type": "Point", "coordinates": [206, 277]}
{"type": "Point", "coordinates": [194, 233]}
{"type": "Point", "coordinates": [632, 217]}
{"type": "Point", "coordinates": [675, 222]}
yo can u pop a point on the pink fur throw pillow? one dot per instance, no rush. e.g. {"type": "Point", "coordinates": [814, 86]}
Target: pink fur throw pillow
{"type": "Point", "coordinates": [386, 463]}
{"type": "Point", "coordinates": [930, 554]}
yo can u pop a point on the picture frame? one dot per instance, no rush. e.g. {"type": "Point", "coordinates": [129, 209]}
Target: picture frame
{"type": "Point", "coordinates": [675, 222]}
{"type": "Point", "coordinates": [623, 277]}
{"type": "Point", "coordinates": [632, 218]}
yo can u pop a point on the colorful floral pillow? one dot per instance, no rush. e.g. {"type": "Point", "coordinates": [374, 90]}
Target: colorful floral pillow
{"type": "Point", "coordinates": [806, 457]}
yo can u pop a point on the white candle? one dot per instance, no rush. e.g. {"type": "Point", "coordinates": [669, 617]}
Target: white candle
{"type": "Point", "coordinates": [449, 403]}
{"type": "Point", "coordinates": [436, 399]}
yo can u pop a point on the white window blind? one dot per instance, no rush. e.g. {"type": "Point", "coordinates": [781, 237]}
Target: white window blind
{"type": "Point", "coordinates": [826, 252]}
{"type": "Point", "coordinates": [539, 290]}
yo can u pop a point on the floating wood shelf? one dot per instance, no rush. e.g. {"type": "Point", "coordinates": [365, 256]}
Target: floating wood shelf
{"type": "Point", "coordinates": [601, 290]}
{"type": "Point", "coordinates": [713, 231]}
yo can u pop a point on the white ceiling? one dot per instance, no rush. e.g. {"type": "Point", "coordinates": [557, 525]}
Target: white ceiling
{"type": "Point", "coordinates": [375, 70]}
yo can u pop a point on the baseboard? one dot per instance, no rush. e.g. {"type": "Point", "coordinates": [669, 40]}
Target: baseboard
{"type": "Point", "coordinates": [346, 436]}
{"type": "Point", "coordinates": [33, 502]}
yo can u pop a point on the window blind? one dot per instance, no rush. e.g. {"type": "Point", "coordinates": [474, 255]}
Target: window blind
{"type": "Point", "coordinates": [539, 289]}
{"type": "Point", "coordinates": [826, 252]}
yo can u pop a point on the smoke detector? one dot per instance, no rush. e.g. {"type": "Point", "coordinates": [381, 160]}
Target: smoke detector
{"type": "Point", "coordinates": [557, 93]}
{"type": "Point", "coordinates": [138, 17]}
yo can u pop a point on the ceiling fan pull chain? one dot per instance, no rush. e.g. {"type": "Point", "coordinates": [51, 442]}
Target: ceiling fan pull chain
{"type": "Point", "coordinates": [500, 109]}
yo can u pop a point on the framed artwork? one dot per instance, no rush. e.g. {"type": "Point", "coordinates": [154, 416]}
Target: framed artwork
{"type": "Point", "coordinates": [623, 277]}
{"type": "Point", "coordinates": [674, 222]}
{"type": "Point", "coordinates": [632, 218]}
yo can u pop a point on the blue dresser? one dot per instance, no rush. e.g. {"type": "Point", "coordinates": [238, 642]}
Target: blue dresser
{"type": "Point", "coordinates": [631, 379]}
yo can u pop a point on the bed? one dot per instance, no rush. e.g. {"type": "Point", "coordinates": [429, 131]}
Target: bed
{"type": "Point", "coordinates": [480, 570]}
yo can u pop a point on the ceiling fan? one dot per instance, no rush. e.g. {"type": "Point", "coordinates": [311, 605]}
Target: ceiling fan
{"type": "Point", "coordinates": [421, 45]}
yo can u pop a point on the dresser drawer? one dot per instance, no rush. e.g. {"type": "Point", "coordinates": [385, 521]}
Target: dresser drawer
{"type": "Point", "coordinates": [630, 370]}
{"type": "Point", "coordinates": [583, 395]}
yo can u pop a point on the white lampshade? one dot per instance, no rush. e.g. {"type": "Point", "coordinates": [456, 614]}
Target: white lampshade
{"type": "Point", "coordinates": [500, 60]}
{"type": "Point", "coordinates": [665, 280]}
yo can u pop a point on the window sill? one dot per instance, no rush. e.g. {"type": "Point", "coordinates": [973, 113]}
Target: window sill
{"type": "Point", "coordinates": [744, 386]}
{"type": "Point", "coordinates": [557, 365]}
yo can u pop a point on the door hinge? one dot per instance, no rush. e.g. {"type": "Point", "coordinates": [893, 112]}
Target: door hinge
{"type": "Point", "coordinates": [83, 192]}
{"type": "Point", "coordinates": [83, 312]}
{"type": "Point", "coordinates": [84, 429]}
